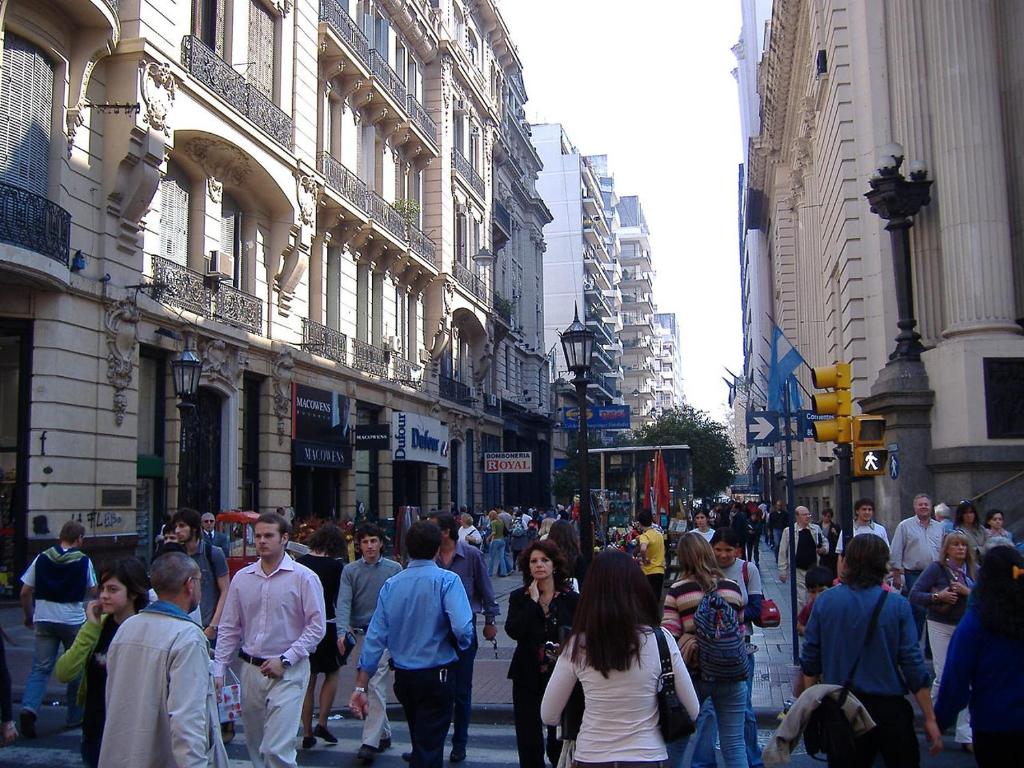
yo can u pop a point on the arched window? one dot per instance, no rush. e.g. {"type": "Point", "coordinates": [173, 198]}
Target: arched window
{"type": "Point", "coordinates": [26, 111]}
{"type": "Point", "coordinates": [174, 215]}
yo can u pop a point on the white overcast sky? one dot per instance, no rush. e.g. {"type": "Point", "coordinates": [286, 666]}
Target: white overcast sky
{"type": "Point", "coordinates": [649, 83]}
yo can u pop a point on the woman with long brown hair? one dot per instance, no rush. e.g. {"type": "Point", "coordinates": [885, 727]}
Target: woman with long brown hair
{"type": "Point", "coordinates": [540, 614]}
{"type": "Point", "coordinates": [612, 651]}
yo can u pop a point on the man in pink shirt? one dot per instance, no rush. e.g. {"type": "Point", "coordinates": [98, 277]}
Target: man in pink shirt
{"type": "Point", "coordinates": [273, 618]}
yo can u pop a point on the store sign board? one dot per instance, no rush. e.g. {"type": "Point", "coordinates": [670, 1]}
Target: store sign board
{"type": "Point", "coordinates": [371, 437]}
{"type": "Point", "coordinates": [320, 416]}
{"type": "Point", "coordinates": [508, 463]}
{"type": "Point", "coordinates": [418, 438]}
{"type": "Point", "coordinates": [598, 417]}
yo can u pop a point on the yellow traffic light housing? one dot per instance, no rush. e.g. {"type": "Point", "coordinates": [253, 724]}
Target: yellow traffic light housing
{"type": "Point", "coordinates": [869, 454]}
{"type": "Point", "coordinates": [836, 403]}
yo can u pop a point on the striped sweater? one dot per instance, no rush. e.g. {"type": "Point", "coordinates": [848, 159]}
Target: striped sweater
{"type": "Point", "coordinates": [681, 603]}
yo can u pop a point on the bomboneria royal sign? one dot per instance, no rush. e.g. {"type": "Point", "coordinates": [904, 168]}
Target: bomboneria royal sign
{"type": "Point", "coordinates": [508, 462]}
{"type": "Point", "coordinates": [418, 438]}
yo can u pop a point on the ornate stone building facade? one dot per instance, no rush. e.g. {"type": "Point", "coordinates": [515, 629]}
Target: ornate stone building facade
{"type": "Point", "coordinates": [837, 83]}
{"type": "Point", "coordinates": [299, 191]}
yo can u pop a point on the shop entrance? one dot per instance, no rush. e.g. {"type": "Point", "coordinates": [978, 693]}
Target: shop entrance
{"type": "Point", "coordinates": [316, 493]}
{"type": "Point", "coordinates": [15, 350]}
{"type": "Point", "coordinates": [407, 484]}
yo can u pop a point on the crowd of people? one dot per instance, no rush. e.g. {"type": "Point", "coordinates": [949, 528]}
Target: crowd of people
{"type": "Point", "coordinates": [147, 660]}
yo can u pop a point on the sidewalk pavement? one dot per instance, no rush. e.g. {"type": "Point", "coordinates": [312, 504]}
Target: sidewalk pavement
{"type": "Point", "coordinates": [492, 691]}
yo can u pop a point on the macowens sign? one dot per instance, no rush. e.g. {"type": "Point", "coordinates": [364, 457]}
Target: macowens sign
{"type": "Point", "coordinates": [418, 438]}
{"type": "Point", "coordinates": [320, 428]}
{"type": "Point", "coordinates": [508, 462]}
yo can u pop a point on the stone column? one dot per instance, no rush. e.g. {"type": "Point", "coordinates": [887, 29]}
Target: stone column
{"type": "Point", "coordinates": [385, 474]}
{"type": "Point", "coordinates": [971, 188]}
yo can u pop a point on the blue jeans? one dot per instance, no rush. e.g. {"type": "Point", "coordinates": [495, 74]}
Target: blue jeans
{"type": "Point", "coordinates": [729, 700]}
{"type": "Point", "coordinates": [909, 579]}
{"type": "Point", "coordinates": [777, 540]}
{"type": "Point", "coordinates": [510, 563]}
{"type": "Point", "coordinates": [496, 558]}
{"type": "Point", "coordinates": [463, 671]}
{"type": "Point", "coordinates": [50, 636]}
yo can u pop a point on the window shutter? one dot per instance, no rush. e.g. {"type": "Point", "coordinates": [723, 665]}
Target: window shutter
{"type": "Point", "coordinates": [261, 48]}
{"type": "Point", "coordinates": [174, 204]}
{"type": "Point", "coordinates": [26, 108]}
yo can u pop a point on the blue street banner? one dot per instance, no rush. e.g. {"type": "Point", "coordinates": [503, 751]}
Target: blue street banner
{"type": "Point", "coordinates": [785, 359]}
{"type": "Point", "coordinates": [598, 417]}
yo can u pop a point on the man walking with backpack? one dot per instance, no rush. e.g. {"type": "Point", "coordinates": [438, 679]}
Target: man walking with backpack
{"type": "Point", "coordinates": [213, 566]}
{"type": "Point", "coordinates": [810, 544]}
{"type": "Point", "coordinates": [519, 536]}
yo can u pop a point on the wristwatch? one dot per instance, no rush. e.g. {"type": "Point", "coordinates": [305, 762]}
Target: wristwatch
{"type": "Point", "coordinates": [359, 689]}
{"type": "Point", "coordinates": [284, 662]}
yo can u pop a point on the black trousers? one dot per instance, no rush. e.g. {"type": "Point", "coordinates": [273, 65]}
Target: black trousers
{"type": "Point", "coordinates": [893, 735]}
{"type": "Point", "coordinates": [998, 749]}
{"type": "Point", "coordinates": [426, 696]}
{"type": "Point", "coordinates": [530, 729]}
{"type": "Point", "coordinates": [657, 581]}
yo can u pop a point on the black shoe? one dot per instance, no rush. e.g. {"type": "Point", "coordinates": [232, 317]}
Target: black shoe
{"type": "Point", "coordinates": [458, 754]}
{"type": "Point", "coordinates": [407, 756]}
{"type": "Point", "coordinates": [366, 754]}
{"type": "Point", "coordinates": [28, 724]}
{"type": "Point", "coordinates": [308, 742]}
{"type": "Point", "coordinates": [227, 732]}
{"type": "Point", "coordinates": [324, 734]}
{"type": "Point", "coordinates": [385, 743]}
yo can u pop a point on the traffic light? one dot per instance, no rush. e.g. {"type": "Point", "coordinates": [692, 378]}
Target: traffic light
{"type": "Point", "coordinates": [869, 454]}
{"type": "Point", "coordinates": [836, 403]}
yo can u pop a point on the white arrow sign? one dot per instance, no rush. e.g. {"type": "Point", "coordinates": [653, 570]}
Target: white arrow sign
{"type": "Point", "coordinates": [760, 427]}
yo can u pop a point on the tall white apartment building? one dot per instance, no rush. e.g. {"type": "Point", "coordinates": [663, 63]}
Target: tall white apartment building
{"type": "Point", "coordinates": [301, 192]}
{"type": "Point", "coordinates": [668, 363]}
{"type": "Point", "coordinates": [640, 385]}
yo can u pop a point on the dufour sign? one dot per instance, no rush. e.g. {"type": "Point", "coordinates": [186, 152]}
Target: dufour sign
{"type": "Point", "coordinates": [418, 438]}
{"type": "Point", "coordinates": [509, 462]}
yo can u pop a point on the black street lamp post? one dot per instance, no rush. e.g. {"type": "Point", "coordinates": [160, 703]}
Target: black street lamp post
{"type": "Point", "coordinates": [578, 346]}
{"type": "Point", "coordinates": [897, 199]}
{"type": "Point", "coordinates": [185, 371]}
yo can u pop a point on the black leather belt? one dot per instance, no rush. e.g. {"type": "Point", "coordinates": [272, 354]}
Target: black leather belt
{"type": "Point", "coordinates": [254, 660]}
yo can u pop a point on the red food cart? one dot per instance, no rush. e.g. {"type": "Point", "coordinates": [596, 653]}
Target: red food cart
{"type": "Point", "coordinates": [240, 527]}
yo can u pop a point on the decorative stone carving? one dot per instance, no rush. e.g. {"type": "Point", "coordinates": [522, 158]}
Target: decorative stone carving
{"type": "Point", "coordinates": [222, 363]}
{"type": "Point", "coordinates": [442, 333]}
{"type": "Point", "coordinates": [283, 7]}
{"type": "Point", "coordinates": [220, 160]}
{"type": "Point", "coordinates": [215, 189]}
{"type": "Point", "coordinates": [158, 91]}
{"type": "Point", "coordinates": [293, 267]}
{"type": "Point", "coordinates": [121, 326]}
{"type": "Point", "coordinates": [281, 376]}
{"type": "Point", "coordinates": [308, 192]}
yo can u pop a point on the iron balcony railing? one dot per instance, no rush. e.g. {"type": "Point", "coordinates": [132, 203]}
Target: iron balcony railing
{"type": "Point", "coordinates": [345, 28]}
{"type": "Point", "coordinates": [421, 118]}
{"type": "Point", "coordinates": [217, 75]}
{"type": "Point", "coordinates": [405, 372]}
{"type": "Point", "coordinates": [503, 308]}
{"type": "Point", "coordinates": [238, 308]}
{"type": "Point", "coordinates": [369, 359]}
{"type": "Point", "coordinates": [385, 214]}
{"type": "Point", "coordinates": [388, 78]}
{"type": "Point", "coordinates": [30, 221]}
{"type": "Point", "coordinates": [466, 170]}
{"type": "Point", "coordinates": [422, 245]}
{"type": "Point", "coordinates": [343, 181]}
{"type": "Point", "coordinates": [324, 341]}
{"type": "Point", "coordinates": [472, 283]}
{"type": "Point", "coordinates": [181, 287]}
{"type": "Point", "coordinates": [453, 390]}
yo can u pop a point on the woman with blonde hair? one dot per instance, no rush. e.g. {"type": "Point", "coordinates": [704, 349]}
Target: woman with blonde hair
{"type": "Point", "coordinates": [943, 588]}
{"type": "Point", "coordinates": [545, 527]}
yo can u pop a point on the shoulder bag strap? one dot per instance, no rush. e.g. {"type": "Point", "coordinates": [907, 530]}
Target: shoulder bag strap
{"type": "Point", "coordinates": [667, 676]}
{"type": "Point", "coordinates": [867, 639]}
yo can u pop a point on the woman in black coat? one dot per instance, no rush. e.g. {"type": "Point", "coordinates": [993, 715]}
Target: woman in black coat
{"type": "Point", "coordinates": [539, 617]}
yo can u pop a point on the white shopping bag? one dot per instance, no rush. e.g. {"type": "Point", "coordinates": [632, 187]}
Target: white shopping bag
{"type": "Point", "coordinates": [229, 702]}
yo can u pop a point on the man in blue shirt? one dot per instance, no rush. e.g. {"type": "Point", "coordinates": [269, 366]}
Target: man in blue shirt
{"type": "Point", "coordinates": [889, 666]}
{"type": "Point", "coordinates": [424, 619]}
{"type": "Point", "coordinates": [467, 562]}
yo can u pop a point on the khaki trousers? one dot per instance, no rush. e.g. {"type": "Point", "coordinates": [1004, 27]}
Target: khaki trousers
{"type": "Point", "coordinates": [270, 714]}
{"type": "Point", "coordinates": [376, 726]}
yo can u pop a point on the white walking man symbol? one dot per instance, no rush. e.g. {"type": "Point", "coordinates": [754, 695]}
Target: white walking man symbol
{"type": "Point", "coordinates": [870, 462]}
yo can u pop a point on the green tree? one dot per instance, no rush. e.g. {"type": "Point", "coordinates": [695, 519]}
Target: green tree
{"type": "Point", "coordinates": [565, 482]}
{"type": "Point", "coordinates": [714, 458]}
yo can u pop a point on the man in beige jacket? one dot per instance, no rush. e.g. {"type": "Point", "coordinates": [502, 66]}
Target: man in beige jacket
{"type": "Point", "coordinates": [811, 543]}
{"type": "Point", "coordinates": [161, 706]}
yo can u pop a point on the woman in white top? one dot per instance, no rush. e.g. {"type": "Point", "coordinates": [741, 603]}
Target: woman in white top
{"type": "Point", "coordinates": [613, 652]}
{"type": "Point", "coordinates": [702, 526]}
{"type": "Point", "coordinates": [468, 532]}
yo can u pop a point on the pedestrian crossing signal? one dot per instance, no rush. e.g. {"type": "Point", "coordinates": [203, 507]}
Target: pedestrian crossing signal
{"type": "Point", "coordinates": [869, 454]}
{"type": "Point", "coordinates": [868, 462]}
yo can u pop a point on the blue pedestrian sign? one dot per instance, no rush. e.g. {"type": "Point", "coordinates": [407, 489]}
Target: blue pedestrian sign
{"type": "Point", "coordinates": [894, 466]}
{"type": "Point", "coordinates": [762, 427]}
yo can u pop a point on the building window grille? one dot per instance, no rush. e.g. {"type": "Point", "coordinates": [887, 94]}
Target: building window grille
{"type": "Point", "coordinates": [26, 110]}
{"type": "Point", "coordinates": [174, 224]}
{"type": "Point", "coordinates": [261, 49]}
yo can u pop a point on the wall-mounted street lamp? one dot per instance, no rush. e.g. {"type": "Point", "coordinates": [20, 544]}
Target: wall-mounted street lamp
{"type": "Point", "coordinates": [898, 199]}
{"type": "Point", "coordinates": [186, 371]}
{"type": "Point", "coordinates": [578, 347]}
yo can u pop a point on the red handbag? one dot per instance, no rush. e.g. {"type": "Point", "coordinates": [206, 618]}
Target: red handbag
{"type": "Point", "coordinates": [770, 616]}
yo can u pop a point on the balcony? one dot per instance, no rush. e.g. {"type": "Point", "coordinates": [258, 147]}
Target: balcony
{"type": "Point", "coordinates": [423, 246]}
{"type": "Point", "coordinates": [472, 283]}
{"type": "Point", "coordinates": [238, 308]}
{"type": "Point", "coordinates": [503, 308]}
{"type": "Point", "coordinates": [217, 75]}
{"type": "Point", "coordinates": [405, 372]}
{"type": "Point", "coordinates": [32, 222]}
{"type": "Point", "coordinates": [181, 287]}
{"type": "Point", "coordinates": [454, 391]}
{"type": "Point", "coordinates": [343, 181]}
{"type": "Point", "coordinates": [339, 21]}
{"type": "Point", "coordinates": [468, 173]}
{"type": "Point", "coordinates": [388, 79]}
{"type": "Point", "coordinates": [420, 118]}
{"type": "Point", "coordinates": [386, 215]}
{"type": "Point", "coordinates": [369, 359]}
{"type": "Point", "coordinates": [324, 341]}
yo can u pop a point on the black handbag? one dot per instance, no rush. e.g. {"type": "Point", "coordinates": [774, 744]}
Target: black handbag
{"type": "Point", "coordinates": [673, 719]}
{"type": "Point", "coordinates": [828, 731]}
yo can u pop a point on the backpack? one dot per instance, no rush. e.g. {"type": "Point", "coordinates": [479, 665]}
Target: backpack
{"type": "Point", "coordinates": [806, 552]}
{"type": "Point", "coordinates": [723, 652]}
{"type": "Point", "coordinates": [518, 529]}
